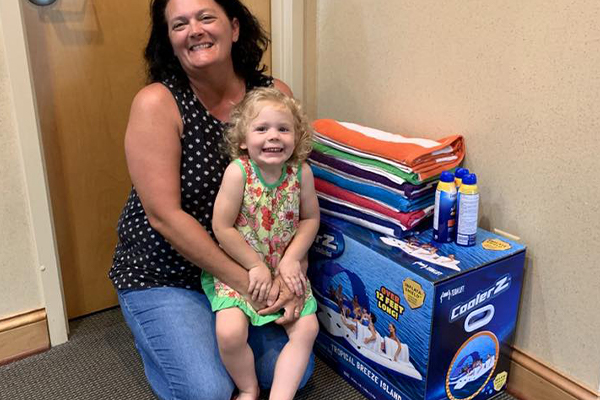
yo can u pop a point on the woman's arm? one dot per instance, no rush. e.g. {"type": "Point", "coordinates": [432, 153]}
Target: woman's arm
{"type": "Point", "coordinates": [283, 87]}
{"type": "Point", "coordinates": [290, 266]}
{"type": "Point", "coordinates": [153, 151]}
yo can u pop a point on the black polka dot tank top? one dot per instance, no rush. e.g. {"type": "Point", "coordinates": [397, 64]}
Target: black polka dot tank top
{"type": "Point", "coordinates": [143, 258]}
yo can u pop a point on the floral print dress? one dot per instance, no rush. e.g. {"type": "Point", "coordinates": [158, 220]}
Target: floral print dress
{"type": "Point", "coordinates": [268, 220]}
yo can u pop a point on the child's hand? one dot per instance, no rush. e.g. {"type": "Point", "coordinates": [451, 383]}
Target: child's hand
{"type": "Point", "coordinates": [292, 275]}
{"type": "Point", "coordinates": [260, 282]}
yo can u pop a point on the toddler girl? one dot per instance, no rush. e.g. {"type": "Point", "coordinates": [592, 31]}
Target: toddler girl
{"type": "Point", "coordinates": [266, 216]}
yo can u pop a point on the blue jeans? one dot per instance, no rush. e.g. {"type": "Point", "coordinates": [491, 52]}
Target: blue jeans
{"type": "Point", "coordinates": [174, 331]}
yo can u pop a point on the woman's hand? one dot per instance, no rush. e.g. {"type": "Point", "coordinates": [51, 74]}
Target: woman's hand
{"type": "Point", "coordinates": [260, 282]}
{"type": "Point", "coordinates": [292, 273]}
{"type": "Point", "coordinates": [281, 297]}
{"type": "Point", "coordinates": [256, 305]}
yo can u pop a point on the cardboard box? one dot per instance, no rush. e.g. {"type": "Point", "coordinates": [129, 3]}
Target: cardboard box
{"type": "Point", "coordinates": [453, 310]}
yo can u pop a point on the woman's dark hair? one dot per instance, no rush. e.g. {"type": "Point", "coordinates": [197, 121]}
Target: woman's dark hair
{"type": "Point", "coordinates": [246, 53]}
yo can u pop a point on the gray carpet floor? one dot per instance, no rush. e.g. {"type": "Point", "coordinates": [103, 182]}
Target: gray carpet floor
{"type": "Point", "coordinates": [100, 362]}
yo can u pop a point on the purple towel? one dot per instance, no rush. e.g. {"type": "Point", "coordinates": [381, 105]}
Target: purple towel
{"type": "Point", "coordinates": [406, 189]}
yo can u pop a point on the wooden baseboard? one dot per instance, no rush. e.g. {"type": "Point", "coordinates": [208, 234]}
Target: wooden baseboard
{"type": "Point", "coordinates": [531, 379]}
{"type": "Point", "coordinates": [23, 335]}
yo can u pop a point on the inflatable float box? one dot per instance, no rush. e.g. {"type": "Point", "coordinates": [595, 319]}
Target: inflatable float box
{"type": "Point", "coordinates": [412, 318]}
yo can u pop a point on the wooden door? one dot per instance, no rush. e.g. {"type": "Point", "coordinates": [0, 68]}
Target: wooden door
{"type": "Point", "coordinates": [86, 60]}
{"type": "Point", "coordinates": [262, 10]}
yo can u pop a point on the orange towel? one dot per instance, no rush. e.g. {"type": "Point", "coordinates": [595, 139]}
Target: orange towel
{"type": "Point", "coordinates": [421, 158]}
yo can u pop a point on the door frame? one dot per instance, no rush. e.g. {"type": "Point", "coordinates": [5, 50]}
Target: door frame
{"type": "Point", "coordinates": [28, 131]}
{"type": "Point", "coordinates": [287, 43]}
{"type": "Point", "coordinates": [287, 21]}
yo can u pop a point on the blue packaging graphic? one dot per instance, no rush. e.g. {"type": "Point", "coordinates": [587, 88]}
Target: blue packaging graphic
{"type": "Point", "coordinates": [415, 319]}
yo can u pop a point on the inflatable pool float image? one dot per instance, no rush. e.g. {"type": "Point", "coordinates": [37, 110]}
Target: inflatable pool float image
{"type": "Point", "coordinates": [473, 370]}
{"type": "Point", "coordinates": [472, 366]}
{"type": "Point", "coordinates": [382, 350]}
{"type": "Point", "coordinates": [422, 251]}
{"type": "Point", "coordinates": [350, 320]}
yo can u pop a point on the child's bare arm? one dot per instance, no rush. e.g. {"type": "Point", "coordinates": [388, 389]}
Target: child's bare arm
{"type": "Point", "coordinates": [226, 210]}
{"type": "Point", "coordinates": [225, 213]}
{"type": "Point", "coordinates": [290, 266]}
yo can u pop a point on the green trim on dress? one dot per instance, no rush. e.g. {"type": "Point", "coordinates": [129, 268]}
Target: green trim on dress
{"type": "Point", "coordinates": [238, 162]}
{"type": "Point", "coordinates": [221, 303]}
{"type": "Point", "coordinates": [262, 180]}
{"type": "Point", "coordinates": [299, 173]}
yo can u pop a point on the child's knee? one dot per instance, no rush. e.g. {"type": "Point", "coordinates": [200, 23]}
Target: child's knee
{"type": "Point", "coordinates": [231, 341]}
{"type": "Point", "coordinates": [313, 327]}
{"type": "Point", "coordinates": [309, 328]}
{"type": "Point", "coordinates": [232, 337]}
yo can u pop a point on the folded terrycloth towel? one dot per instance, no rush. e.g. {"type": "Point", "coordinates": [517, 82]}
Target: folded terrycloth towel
{"type": "Point", "coordinates": [375, 178]}
{"type": "Point", "coordinates": [359, 153]}
{"type": "Point", "coordinates": [422, 169]}
{"type": "Point", "coordinates": [386, 197]}
{"type": "Point", "coordinates": [424, 157]}
{"type": "Point", "coordinates": [359, 218]}
{"type": "Point", "coordinates": [390, 171]}
{"type": "Point", "coordinates": [340, 220]}
{"type": "Point", "coordinates": [365, 205]}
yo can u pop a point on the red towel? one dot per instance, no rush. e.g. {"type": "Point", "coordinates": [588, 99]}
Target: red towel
{"type": "Point", "coordinates": [408, 220]}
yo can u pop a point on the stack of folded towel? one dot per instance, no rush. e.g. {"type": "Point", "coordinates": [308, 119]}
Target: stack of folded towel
{"type": "Point", "coordinates": [383, 181]}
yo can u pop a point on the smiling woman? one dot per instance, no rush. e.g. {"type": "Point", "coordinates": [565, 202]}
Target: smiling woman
{"type": "Point", "coordinates": [246, 54]}
{"type": "Point", "coordinates": [203, 56]}
{"type": "Point", "coordinates": [201, 38]}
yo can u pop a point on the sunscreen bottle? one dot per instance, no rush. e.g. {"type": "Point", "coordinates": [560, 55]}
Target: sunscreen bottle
{"type": "Point", "coordinates": [458, 175]}
{"type": "Point", "coordinates": [444, 214]}
{"type": "Point", "coordinates": [468, 207]}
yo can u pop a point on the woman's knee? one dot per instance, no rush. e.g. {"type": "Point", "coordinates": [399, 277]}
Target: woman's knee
{"type": "Point", "coordinates": [187, 380]}
{"type": "Point", "coordinates": [203, 387]}
{"type": "Point", "coordinates": [174, 333]}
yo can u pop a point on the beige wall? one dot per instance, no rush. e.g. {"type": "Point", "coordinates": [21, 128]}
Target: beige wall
{"type": "Point", "coordinates": [19, 284]}
{"type": "Point", "coordinates": [521, 81]}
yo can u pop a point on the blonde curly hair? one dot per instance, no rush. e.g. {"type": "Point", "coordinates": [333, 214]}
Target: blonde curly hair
{"type": "Point", "coordinates": [243, 114]}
